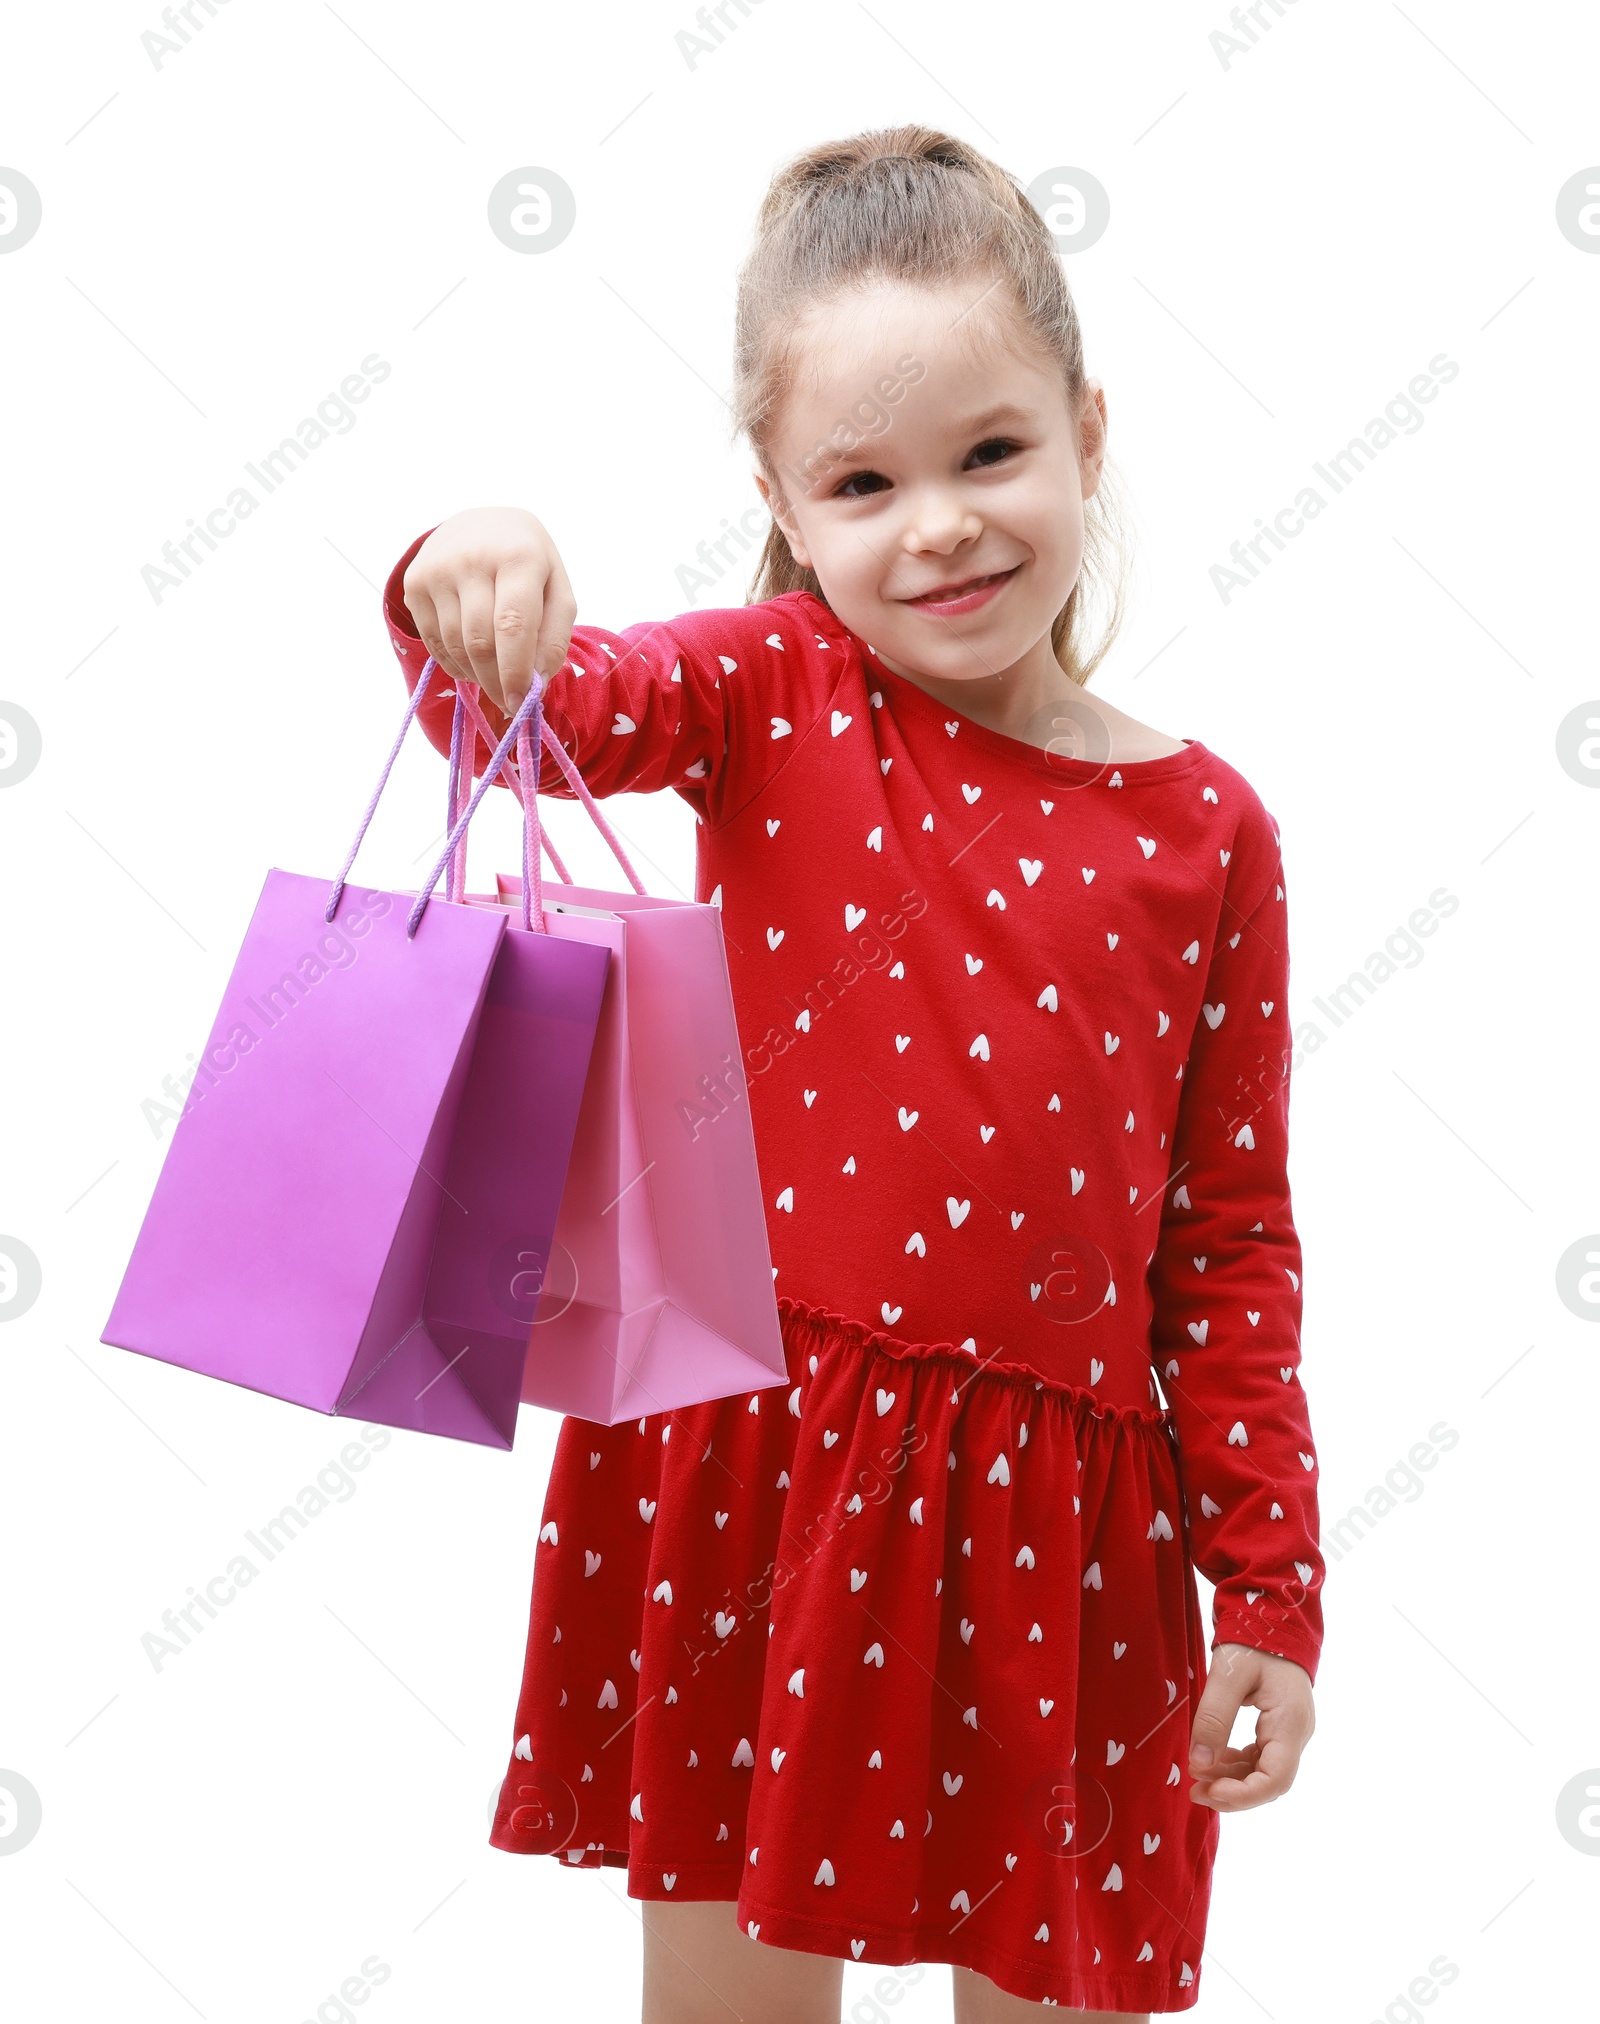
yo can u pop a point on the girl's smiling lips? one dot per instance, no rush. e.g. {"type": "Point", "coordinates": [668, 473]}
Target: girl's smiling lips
{"type": "Point", "coordinates": [948, 600]}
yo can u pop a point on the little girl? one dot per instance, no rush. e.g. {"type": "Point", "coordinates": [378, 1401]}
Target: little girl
{"type": "Point", "coordinates": [903, 1661]}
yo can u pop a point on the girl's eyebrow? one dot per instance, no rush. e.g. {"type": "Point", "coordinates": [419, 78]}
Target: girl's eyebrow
{"type": "Point", "coordinates": [996, 417]}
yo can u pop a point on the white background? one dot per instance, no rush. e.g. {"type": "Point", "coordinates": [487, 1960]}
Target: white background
{"type": "Point", "coordinates": [1294, 234]}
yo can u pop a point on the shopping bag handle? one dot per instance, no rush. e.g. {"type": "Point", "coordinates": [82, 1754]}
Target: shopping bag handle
{"type": "Point", "coordinates": [521, 732]}
{"type": "Point", "coordinates": [336, 891]}
{"type": "Point", "coordinates": [467, 702]}
{"type": "Point", "coordinates": [528, 732]}
{"type": "Point", "coordinates": [468, 708]}
{"type": "Point", "coordinates": [517, 729]}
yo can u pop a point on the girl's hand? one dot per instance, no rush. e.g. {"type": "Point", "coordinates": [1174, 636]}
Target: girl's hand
{"type": "Point", "coordinates": [1231, 1779]}
{"type": "Point", "coordinates": [491, 601]}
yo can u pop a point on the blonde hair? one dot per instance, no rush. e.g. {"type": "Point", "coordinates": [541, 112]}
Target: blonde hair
{"type": "Point", "coordinates": [910, 204]}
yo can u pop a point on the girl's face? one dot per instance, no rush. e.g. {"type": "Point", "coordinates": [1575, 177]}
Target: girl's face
{"type": "Point", "coordinates": [930, 470]}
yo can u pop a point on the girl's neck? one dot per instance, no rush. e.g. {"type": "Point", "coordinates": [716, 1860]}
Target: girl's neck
{"type": "Point", "coordinates": [1008, 699]}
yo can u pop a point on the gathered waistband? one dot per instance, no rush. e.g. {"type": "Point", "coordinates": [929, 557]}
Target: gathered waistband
{"type": "Point", "coordinates": [807, 1327]}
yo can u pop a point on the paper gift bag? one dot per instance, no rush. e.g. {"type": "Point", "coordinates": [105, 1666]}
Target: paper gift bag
{"type": "Point", "coordinates": [385, 1107]}
{"type": "Point", "coordinates": [659, 1289]}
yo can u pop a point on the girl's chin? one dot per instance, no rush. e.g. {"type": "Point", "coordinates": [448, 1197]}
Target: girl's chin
{"type": "Point", "coordinates": [963, 660]}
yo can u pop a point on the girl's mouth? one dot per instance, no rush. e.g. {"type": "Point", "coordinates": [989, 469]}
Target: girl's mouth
{"type": "Point", "coordinates": [949, 600]}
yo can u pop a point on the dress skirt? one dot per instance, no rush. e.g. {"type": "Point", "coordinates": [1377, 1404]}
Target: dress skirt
{"type": "Point", "coordinates": [900, 1657]}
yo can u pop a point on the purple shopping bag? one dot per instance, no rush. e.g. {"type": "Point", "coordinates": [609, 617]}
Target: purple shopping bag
{"type": "Point", "coordinates": [386, 1102]}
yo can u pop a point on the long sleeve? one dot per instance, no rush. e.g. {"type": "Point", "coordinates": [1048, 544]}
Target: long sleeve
{"type": "Point", "coordinates": [1226, 1285]}
{"type": "Point", "coordinates": [711, 704]}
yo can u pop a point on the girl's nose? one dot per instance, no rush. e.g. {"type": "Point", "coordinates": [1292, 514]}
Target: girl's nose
{"type": "Point", "coordinates": [940, 523]}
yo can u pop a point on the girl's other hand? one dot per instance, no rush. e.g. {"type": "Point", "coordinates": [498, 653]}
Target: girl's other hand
{"type": "Point", "coordinates": [1231, 1778]}
{"type": "Point", "coordinates": [491, 601]}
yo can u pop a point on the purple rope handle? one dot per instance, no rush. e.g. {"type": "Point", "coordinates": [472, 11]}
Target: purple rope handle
{"type": "Point", "coordinates": [337, 890]}
{"type": "Point", "coordinates": [530, 708]}
{"type": "Point", "coordinates": [528, 745]}
{"type": "Point", "coordinates": [532, 873]}
{"type": "Point", "coordinates": [575, 780]}
{"type": "Point", "coordinates": [514, 781]}
{"type": "Point", "coordinates": [456, 884]}
{"type": "Point", "coordinates": [515, 778]}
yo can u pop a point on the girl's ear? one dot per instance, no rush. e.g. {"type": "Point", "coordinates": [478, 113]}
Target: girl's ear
{"type": "Point", "coordinates": [778, 506]}
{"type": "Point", "coordinates": [1092, 436]}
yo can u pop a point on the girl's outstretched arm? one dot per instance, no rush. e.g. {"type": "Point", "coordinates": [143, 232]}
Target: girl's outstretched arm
{"type": "Point", "coordinates": [1225, 1281]}
{"type": "Point", "coordinates": [711, 703]}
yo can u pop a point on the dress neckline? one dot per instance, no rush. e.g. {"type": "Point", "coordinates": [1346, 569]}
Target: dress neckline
{"type": "Point", "coordinates": [1018, 751]}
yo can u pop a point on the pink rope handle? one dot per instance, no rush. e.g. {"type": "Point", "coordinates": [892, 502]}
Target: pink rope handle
{"type": "Point", "coordinates": [529, 708]}
{"type": "Point", "coordinates": [456, 883]}
{"type": "Point", "coordinates": [469, 698]}
{"type": "Point", "coordinates": [574, 777]}
{"type": "Point", "coordinates": [575, 780]}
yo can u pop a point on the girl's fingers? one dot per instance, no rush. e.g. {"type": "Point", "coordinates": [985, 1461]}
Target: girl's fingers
{"type": "Point", "coordinates": [522, 593]}
{"type": "Point", "coordinates": [425, 617]}
{"type": "Point", "coordinates": [475, 603]}
{"type": "Point", "coordinates": [555, 633]}
{"type": "Point", "coordinates": [1234, 1795]}
{"type": "Point", "coordinates": [447, 620]}
{"type": "Point", "coordinates": [1220, 1702]}
{"type": "Point", "coordinates": [1250, 1777]}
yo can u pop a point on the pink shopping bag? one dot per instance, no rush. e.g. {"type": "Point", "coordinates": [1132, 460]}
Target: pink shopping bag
{"type": "Point", "coordinates": [384, 1113]}
{"type": "Point", "coordinates": [658, 1292]}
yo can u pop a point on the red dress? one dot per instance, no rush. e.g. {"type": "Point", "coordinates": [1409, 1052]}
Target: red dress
{"type": "Point", "coordinates": [903, 1656]}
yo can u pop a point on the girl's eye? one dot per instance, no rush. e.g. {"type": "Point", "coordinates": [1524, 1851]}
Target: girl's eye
{"type": "Point", "coordinates": [993, 452]}
{"type": "Point", "coordinates": [870, 481]}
